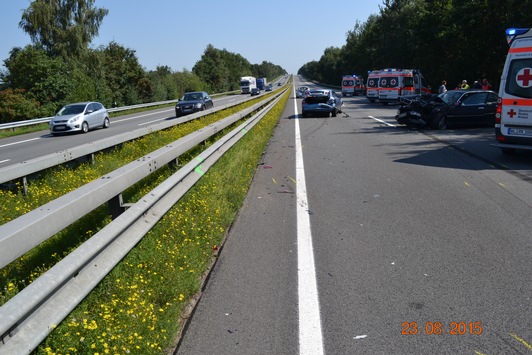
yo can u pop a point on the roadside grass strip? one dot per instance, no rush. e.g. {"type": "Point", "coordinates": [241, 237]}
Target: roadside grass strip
{"type": "Point", "coordinates": [137, 308]}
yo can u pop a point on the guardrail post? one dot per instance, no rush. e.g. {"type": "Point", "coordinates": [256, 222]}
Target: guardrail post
{"type": "Point", "coordinates": [117, 206]}
{"type": "Point", "coordinates": [25, 185]}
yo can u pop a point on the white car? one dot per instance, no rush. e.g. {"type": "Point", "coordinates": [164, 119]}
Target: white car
{"type": "Point", "coordinates": [80, 117]}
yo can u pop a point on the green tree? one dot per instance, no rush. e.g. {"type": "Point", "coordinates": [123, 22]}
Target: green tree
{"type": "Point", "coordinates": [44, 78]}
{"type": "Point", "coordinates": [15, 105]}
{"type": "Point", "coordinates": [62, 27]}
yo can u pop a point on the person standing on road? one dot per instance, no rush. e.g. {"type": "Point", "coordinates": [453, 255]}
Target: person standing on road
{"type": "Point", "coordinates": [486, 85]}
{"type": "Point", "coordinates": [443, 87]}
{"type": "Point", "coordinates": [464, 85]}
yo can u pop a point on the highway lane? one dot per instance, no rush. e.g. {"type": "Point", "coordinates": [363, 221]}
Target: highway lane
{"type": "Point", "coordinates": [32, 145]}
{"type": "Point", "coordinates": [422, 243]}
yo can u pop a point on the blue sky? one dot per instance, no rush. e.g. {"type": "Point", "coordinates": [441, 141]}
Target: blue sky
{"type": "Point", "coordinates": [175, 32]}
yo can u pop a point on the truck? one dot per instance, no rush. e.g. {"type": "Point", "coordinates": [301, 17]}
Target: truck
{"type": "Point", "coordinates": [262, 83]}
{"type": "Point", "coordinates": [247, 83]}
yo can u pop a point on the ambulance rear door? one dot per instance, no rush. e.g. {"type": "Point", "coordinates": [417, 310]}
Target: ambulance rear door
{"type": "Point", "coordinates": [516, 92]}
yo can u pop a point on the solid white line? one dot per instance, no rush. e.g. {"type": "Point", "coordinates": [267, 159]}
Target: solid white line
{"type": "Point", "coordinates": [381, 121]}
{"type": "Point", "coordinates": [19, 142]}
{"type": "Point", "coordinates": [4, 161]}
{"type": "Point", "coordinates": [310, 335]}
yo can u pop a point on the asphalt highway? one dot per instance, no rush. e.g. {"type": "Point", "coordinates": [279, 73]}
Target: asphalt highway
{"type": "Point", "coordinates": [420, 244]}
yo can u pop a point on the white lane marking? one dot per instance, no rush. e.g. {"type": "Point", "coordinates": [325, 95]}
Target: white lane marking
{"type": "Point", "coordinates": [20, 142]}
{"type": "Point", "coordinates": [310, 335]}
{"type": "Point", "coordinates": [381, 121]}
{"type": "Point", "coordinates": [138, 116]}
{"type": "Point", "coordinates": [4, 161]}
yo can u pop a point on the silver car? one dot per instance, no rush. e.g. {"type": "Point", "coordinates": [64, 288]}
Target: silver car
{"type": "Point", "coordinates": [80, 117]}
{"type": "Point", "coordinates": [300, 92]}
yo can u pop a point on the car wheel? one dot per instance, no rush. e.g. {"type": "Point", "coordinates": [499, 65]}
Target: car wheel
{"type": "Point", "coordinates": [438, 120]}
{"type": "Point", "coordinates": [84, 127]}
{"type": "Point", "coordinates": [106, 122]}
{"type": "Point", "coordinates": [176, 113]}
{"type": "Point", "coordinates": [333, 113]}
{"type": "Point", "coordinates": [372, 101]}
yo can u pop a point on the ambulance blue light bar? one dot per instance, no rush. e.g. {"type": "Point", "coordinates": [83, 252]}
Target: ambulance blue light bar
{"type": "Point", "coordinates": [512, 32]}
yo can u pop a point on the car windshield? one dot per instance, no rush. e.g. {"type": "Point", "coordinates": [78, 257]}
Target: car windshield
{"type": "Point", "coordinates": [191, 97]}
{"type": "Point", "coordinates": [450, 97]}
{"type": "Point", "coordinates": [71, 110]}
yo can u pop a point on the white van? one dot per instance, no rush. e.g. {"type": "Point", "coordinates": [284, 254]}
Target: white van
{"type": "Point", "coordinates": [513, 120]}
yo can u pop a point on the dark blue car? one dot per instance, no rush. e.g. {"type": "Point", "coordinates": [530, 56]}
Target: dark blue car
{"type": "Point", "coordinates": [193, 102]}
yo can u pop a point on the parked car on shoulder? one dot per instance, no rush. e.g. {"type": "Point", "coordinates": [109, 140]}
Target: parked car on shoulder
{"type": "Point", "coordinates": [193, 102]}
{"type": "Point", "coordinates": [255, 91]}
{"type": "Point", "coordinates": [321, 102]}
{"type": "Point", "coordinates": [80, 117]}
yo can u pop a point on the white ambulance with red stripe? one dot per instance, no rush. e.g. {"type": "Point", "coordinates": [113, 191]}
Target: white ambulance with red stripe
{"type": "Point", "coordinates": [353, 85]}
{"type": "Point", "coordinates": [372, 86]}
{"type": "Point", "coordinates": [395, 83]}
{"type": "Point", "coordinates": [513, 120]}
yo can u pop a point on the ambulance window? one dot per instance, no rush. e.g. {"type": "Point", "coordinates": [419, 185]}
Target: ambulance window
{"type": "Point", "coordinates": [388, 82]}
{"type": "Point", "coordinates": [372, 83]}
{"type": "Point", "coordinates": [409, 82]}
{"type": "Point", "coordinates": [519, 81]}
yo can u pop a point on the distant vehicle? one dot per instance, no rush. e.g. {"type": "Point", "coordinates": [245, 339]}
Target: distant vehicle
{"type": "Point", "coordinates": [513, 126]}
{"type": "Point", "coordinates": [247, 83]}
{"type": "Point", "coordinates": [353, 85]}
{"type": "Point", "coordinates": [262, 83]}
{"type": "Point", "coordinates": [255, 91]}
{"type": "Point", "coordinates": [456, 108]}
{"type": "Point", "coordinates": [80, 117]}
{"type": "Point", "coordinates": [269, 87]}
{"type": "Point", "coordinates": [279, 84]}
{"type": "Point", "coordinates": [395, 83]}
{"type": "Point", "coordinates": [300, 92]}
{"type": "Point", "coordinates": [193, 102]}
{"type": "Point", "coordinates": [321, 102]}
{"type": "Point", "coordinates": [372, 87]}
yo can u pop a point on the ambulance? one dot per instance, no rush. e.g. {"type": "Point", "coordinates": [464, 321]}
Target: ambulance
{"type": "Point", "coordinates": [353, 85]}
{"type": "Point", "coordinates": [372, 87]}
{"type": "Point", "coordinates": [513, 119]}
{"type": "Point", "coordinates": [395, 83]}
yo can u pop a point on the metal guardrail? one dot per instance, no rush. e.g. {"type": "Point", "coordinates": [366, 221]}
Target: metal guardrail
{"type": "Point", "coordinates": [35, 311]}
{"type": "Point", "coordinates": [35, 121]}
{"type": "Point", "coordinates": [23, 169]}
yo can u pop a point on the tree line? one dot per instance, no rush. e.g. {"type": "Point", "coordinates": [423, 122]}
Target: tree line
{"type": "Point", "coordinates": [447, 40]}
{"type": "Point", "coordinates": [59, 67]}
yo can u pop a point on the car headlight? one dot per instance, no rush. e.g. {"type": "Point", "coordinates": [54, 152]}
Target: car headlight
{"type": "Point", "coordinates": [198, 105]}
{"type": "Point", "coordinates": [74, 119]}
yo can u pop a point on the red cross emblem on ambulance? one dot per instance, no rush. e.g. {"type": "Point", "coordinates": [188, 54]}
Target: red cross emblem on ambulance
{"type": "Point", "coordinates": [524, 77]}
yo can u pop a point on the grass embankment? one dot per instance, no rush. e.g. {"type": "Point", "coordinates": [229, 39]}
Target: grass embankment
{"type": "Point", "coordinates": [136, 308]}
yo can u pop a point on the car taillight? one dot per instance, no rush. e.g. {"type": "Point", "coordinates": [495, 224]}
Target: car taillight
{"type": "Point", "coordinates": [498, 112]}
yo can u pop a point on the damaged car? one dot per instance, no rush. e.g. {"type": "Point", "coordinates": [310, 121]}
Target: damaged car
{"type": "Point", "coordinates": [321, 102]}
